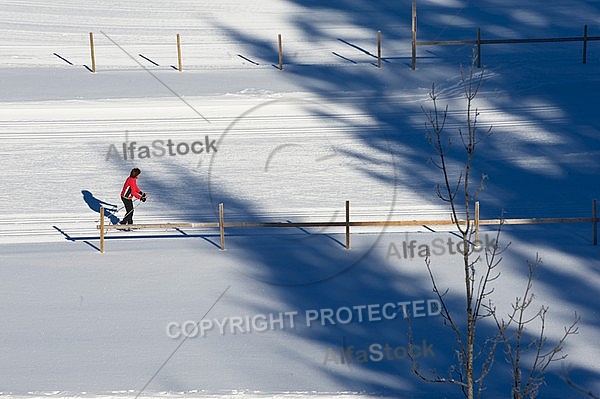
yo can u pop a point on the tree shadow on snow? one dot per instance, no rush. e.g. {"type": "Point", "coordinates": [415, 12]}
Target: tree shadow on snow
{"type": "Point", "coordinates": [318, 273]}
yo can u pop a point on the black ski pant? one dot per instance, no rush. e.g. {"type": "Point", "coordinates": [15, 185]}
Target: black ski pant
{"type": "Point", "coordinates": [128, 219]}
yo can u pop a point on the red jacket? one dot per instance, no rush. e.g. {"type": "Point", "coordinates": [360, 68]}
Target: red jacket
{"type": "Point", "coordinates": [130, 189]}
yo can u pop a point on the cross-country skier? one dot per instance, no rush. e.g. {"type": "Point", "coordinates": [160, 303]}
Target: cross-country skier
{"type": "Point", "coordinates": [130, 190]}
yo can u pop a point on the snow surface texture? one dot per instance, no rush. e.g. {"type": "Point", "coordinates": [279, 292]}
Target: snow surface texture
{"type": "Point", "coordinates": [289, 145]}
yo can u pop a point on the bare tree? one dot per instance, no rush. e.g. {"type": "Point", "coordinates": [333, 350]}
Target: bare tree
{"type": "Point", "coordinates": [527, 379]}
{"type": "Point", "coordinates": [475, 355]}
{"type": "Point", "coordinates": [459, 194]}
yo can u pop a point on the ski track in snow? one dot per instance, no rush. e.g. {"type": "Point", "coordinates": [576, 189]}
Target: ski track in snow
{"type": "Point", "coordinates": [79, 139]}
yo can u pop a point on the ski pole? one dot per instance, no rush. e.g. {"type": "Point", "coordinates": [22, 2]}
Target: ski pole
{"type": "Point", "coordinates": [123, 206]}
{"type": "Point", "coordinates": [135, 206]}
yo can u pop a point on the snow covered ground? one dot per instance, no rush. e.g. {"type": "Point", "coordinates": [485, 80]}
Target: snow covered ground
{"type": "Point", "coordinates": [290, 145]}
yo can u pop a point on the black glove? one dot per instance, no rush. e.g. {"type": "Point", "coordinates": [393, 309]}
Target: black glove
{"type": "Point", "coordinates": [143, 199]}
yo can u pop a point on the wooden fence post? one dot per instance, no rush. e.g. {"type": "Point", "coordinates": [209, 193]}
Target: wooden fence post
{"type": "Point", "coordinates": [595, 222]}
{"type": "Point", "coordinates": [222, 226]}
{"type": "Point", "coordinates": [347, 224]}
{"type": "Point", "coordinates": [280, 51]}
{"type": "Point", "coordinates": [414, 35]}
{"type": "Point", "coordinates": [378, 49]}
{"type": "Point", "coordinates": [478, 47]}
{"type": "Point", "coordinates": [101, 229]}
{"type": "Point", "coordinates": [179, 63]}
{"type": "Point", "coordinates": [92, 52]}
{"type": "Point", "coordinates": [476, 223]}
{"type": "Point", "coordinates": [585, 39]}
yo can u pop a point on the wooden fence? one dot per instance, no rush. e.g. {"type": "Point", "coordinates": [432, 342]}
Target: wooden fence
{"type": "Point", "coordinates": [479, 41]}
{"type": "Point", "coordinates": [347, 223]}
{"type": "Point", "coordinates": [179, 56]}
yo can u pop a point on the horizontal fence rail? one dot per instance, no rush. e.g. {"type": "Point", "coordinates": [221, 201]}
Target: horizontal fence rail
{"type": "Point", "coordinates": [479, 41]}
{"type": "Point", "coordinates": [506, 41]}
{"type": "Point", "coordinates": [222, 224]}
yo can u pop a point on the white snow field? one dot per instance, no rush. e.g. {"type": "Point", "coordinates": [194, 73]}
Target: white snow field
{"type": "Point", "coordinates": [275, 307]}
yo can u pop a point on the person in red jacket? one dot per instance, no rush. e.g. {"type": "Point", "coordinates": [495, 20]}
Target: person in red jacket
{"type": "Point", "coordinates": [129, 191]}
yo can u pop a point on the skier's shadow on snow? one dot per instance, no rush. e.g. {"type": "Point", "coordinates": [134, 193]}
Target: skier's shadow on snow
{"type": "Point", "coordinates": [95, 204]}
